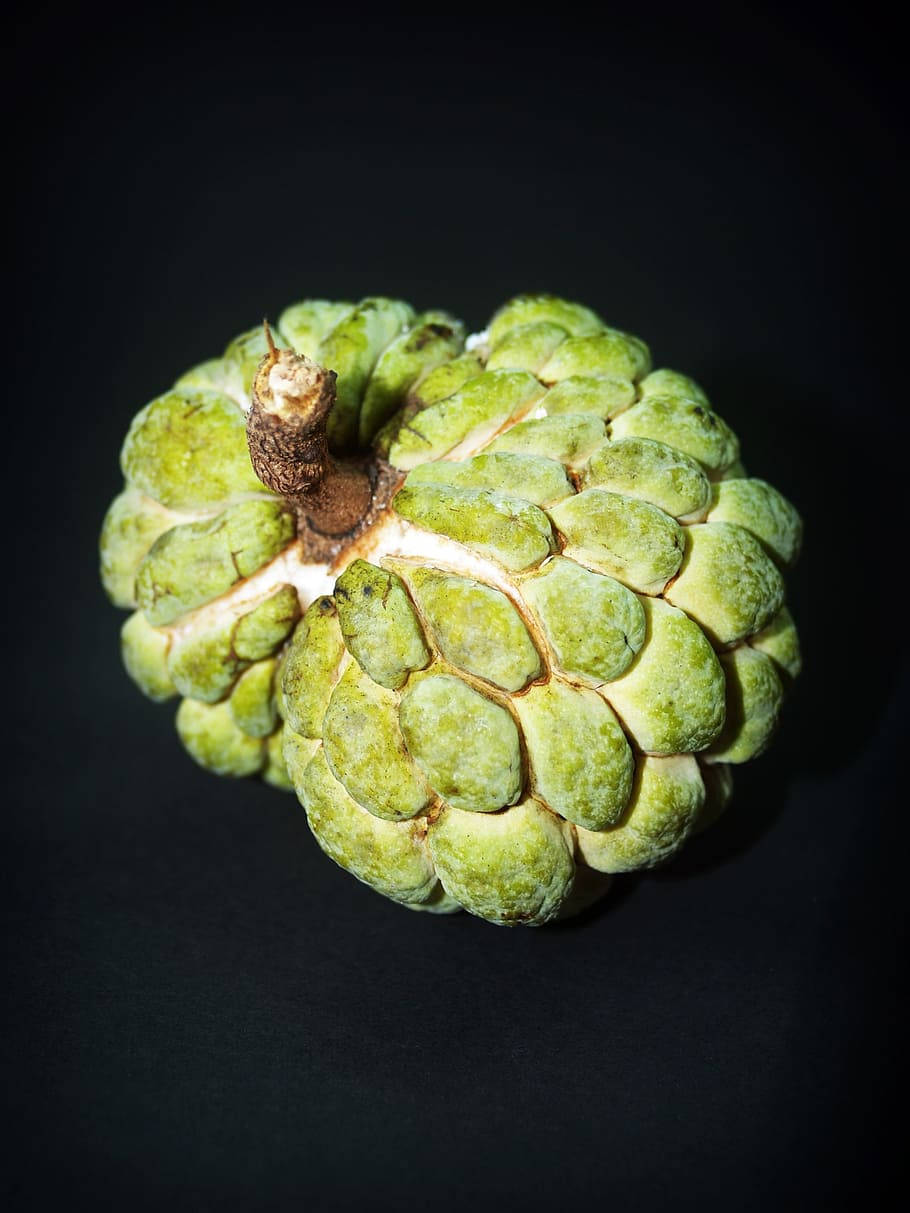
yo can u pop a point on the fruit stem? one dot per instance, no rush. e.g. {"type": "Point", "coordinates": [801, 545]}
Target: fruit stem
{"type": "Point", "coordinates": [292, 398]}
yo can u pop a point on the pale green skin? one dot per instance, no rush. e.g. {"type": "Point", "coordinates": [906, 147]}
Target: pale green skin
{"type": "Point", "coordinates": [481, 405]}
{"type": "Point", "coordinates": [188, 449]}
{"type": "Point", "coordinates": [664, 382]}
{"type": "Point", "coordinates": [379, 625]}
{"type": "Point", "coordinates": [661, 813]}
{"type": "Point", "coordinates": [204, 662]}
{"type": "Point", "coordinates": [252, 701]}
{"type": "Point", "coordinates": [508, 867]}
{"type": "Point", "coordinates": [780, 642]}
{"type": "Point", "coordinates": [763, 511]}
{"type": "Point", "coordinates": [305, 324]}
{"type": "Point", "coordinates": [533, 478]}
{"type": "Point", "coordinates": [755, 696]}
{"type": "Point", "coordinates": [312, 667]}
{"type": "Point", "coordinates": [352, 349]}
{"type": "Point", "coordinates": [687, 425]}
{"type": "Point", "coordinates": [671, 698]}
{"type": "Point", "coordinates": [391, 857]}
{"type": "Point", "coordinates": [434, 338]}
{"type": "Point", "coordinates": [262, 630]}
{"type": "Point", "coordinates": [191, 564]}
{"type": "Point", "coordinates": [603, 398]}
{"type": "Point", "coordinates": [575, 318]}
{"type": "Point", "coordinates": [366, 751]}
{"type": "Point", "coordinates": [475, 627]}
{"type": "Point", "coordinates": [568, 437]}
{"type": "Point", "coordinates": [215, 740]}
{"type": "Point", "coordinates": [654, 472]}
{"type": "Point", "coordinates": [145, 652]}
{"type": "Point", "coordinates": [726, 582]}
{"type": "Point", "coordinates": [580, 762]}
{"type": "Point", "coordinates": [467, 745]}
{"type": "Point", "coordinates": [598, 639]}
{"type": "Point", "coordinates": [504, 727]}
{"type": "Point", "coordinates": [441, 382]}
{"type": "Point", "coordinates": [132, 524]}
{"type": "Point", "coordinates": [527, 347]}
{"type": "Point", "coordinates": [623, 537]}
{"type": "Point", "coordinates": [607, 353]}
{"type": "Point", "coordinates": [510, 531]}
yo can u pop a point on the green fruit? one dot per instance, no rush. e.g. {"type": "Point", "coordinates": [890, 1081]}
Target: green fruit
{"type": "Point", "coordinates": [505, 636]}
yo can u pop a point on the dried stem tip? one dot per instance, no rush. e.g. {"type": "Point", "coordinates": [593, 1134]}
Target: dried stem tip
{"type": "Point", "coordinates": [292, 398]}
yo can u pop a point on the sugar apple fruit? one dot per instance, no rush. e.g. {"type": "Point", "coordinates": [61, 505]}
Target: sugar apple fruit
{"type": "Point", "coordinates": [504, 611]}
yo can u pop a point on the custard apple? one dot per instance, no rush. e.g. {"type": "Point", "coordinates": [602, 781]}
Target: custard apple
{"type": "Point", "coordinates": [504, 611]}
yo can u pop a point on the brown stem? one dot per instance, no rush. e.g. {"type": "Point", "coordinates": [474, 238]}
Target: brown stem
{"type": "Point", "coordinates": [292, 398]}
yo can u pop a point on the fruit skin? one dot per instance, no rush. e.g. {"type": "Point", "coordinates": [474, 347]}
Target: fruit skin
{"type": "Point", "coordinates": [532, 667]}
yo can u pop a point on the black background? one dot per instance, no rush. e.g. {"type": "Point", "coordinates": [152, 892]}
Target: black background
{"type": "Point", "coordinates": [205, 1012]}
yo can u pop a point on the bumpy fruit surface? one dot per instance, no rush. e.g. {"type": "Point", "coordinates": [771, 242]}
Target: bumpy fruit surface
{"type": "Point", "coordinates": [505, 619]}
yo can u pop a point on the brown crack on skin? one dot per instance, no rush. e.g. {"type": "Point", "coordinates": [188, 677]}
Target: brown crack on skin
{"type": "Point", "coordinates": [334, 500]}
{"type": "Point", "coordinates": [432, 815]}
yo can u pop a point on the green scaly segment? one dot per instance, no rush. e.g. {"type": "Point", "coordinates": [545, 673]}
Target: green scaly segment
{"type": "Point", "coordinates": [466, 745]}
{"type": "Point", "coordinates": [663, 810]}
{"type": "Point", "coordinates": [779, 640]}
{"type": "Point", "coordinates": [508, 530]}
{"type": "Point", "coordinates": [205, 661]}
{"type": "Point", "coordinates": [475, 627]}
{"type": "Point", "coordinates": [624, 537]}
{"type": "Point", "coordinates": [509, 868]}
{"type": "Point", "coordinates": [131, 525]}
{"type": "Point", "coordinates": [390, 856]}
{"type": "Point", "coordinates": [671, 697]}
{"type": "Point", "coordinates": [653, 472]}
{"type": "Point", "coordinates": [761, 510]}
{"type": "Point", "coordinates": [686, 425]}
{"type": "Point", "coordinates": [196, 562]}
{"type": "Point", "coordinates": [473, 413]}
{"type": "Point", "coordinates": [365, 746]}
{"type": "Point", "coordinates": [580, 761]}
{"type": "Point", "coordinates": [726, 582]}
{"type": "Point", "coordinates": [533, 478]}
{"type": "Point", "coordinates": [568, 437]}
{"type": "Point", "coordinates": [755, 696]}
{"type": "Point", "coordinates": [379, 624]}
{"type": "Point", "coordinates": [602, 397]}
{"type": "Point", "coordinates": [252, 700]}
{"type": "Point", "coordinates": [596, 641]}
{"type": "Point", "coordinates": [187, 449]}
{"type": "Point", "coordinates": [352, 349]}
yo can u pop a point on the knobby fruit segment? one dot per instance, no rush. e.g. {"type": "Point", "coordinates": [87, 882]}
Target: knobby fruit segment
{"type": "Point", "coordinates": [503, 611]}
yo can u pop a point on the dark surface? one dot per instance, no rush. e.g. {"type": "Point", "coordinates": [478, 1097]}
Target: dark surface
{"type": "Point", "coordinates": [204, 1012]}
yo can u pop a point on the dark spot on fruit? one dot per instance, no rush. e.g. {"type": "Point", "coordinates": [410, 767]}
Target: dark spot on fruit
{"type": "Point", "coordinates": [367, 591]}
{"type": "Point", "coordinates": [429, 331]}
